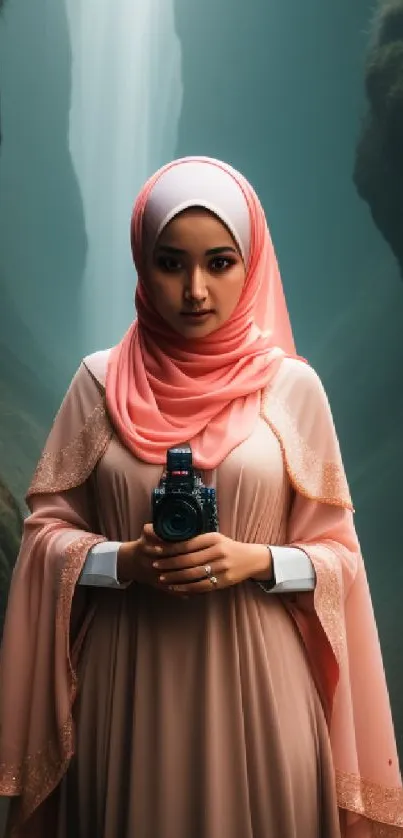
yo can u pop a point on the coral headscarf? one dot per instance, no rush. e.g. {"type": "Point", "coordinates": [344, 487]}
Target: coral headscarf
{"type": "Point", "coordinates": [163, 389]}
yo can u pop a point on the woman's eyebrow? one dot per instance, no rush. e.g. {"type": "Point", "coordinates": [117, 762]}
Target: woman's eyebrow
{"type": "Point", "coordinates": [169, 249]}
{"type": "Point", "coordinates": [211, 252]}
{"type": "Point", "coordinates": [214, 250]}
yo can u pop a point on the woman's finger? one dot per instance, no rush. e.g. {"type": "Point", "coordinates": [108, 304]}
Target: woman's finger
{"type": "Point", "coordinates": [194, 575]}
{"type": "Point", "coordinates": [194, 545]}
{"type": "Point", "coordinates": [205, 586]}
{"type": "Point", "coordinates": [153, 551]}
{"type": "Point", "coordinates": [150, 536]}
{"type": "Point", "coordinates": [189, 560]}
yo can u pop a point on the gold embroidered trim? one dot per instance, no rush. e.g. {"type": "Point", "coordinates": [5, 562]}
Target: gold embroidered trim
{"type": "Point", "coordinates": [311, 476]}
{"type": "Point", "coordinates": [71, 465]}
{"type": "Point", "coordinates": [328, 598]}
{"type": "Point", "coordinates": [379, 830]}
{"type": "Point", "coordinates": [375, 802]}
{"type": "Point", "coordinates": [35, 772]}
{"type": "Point", "coordinates": [38, 775]}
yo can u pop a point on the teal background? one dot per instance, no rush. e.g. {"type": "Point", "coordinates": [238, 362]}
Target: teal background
{"type": "Point", "coordinates": [276, 89]}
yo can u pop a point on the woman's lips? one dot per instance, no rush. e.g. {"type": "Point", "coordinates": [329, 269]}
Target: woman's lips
{"type": "Point", "coordinates": [196, 315]}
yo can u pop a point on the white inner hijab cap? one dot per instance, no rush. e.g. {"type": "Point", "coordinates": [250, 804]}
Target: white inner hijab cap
{"type": "Point", "coordinates": [198, 184]}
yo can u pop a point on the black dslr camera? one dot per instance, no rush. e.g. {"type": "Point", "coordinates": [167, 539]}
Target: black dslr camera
{"type": "Point", "coordinates": [182, 506]}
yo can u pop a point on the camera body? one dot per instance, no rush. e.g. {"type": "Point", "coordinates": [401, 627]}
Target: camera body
{"type": "Point", "coordinates": [182, 506]}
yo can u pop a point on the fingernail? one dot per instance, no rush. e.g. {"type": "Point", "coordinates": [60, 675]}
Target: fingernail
{"type": "Point", "coordinates": [162, 578]}
{"type": "Point", "coordinates": [156, 565]}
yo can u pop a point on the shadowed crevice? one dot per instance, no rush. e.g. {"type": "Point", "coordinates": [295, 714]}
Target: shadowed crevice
{"type": "Point", "coordinates": [378, 170]}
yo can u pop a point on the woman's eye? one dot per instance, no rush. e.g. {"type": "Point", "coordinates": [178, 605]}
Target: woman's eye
{"type": "Point", "coordinates": [220, 264]}
{"type": "Point", "coordinates": [169, 264]}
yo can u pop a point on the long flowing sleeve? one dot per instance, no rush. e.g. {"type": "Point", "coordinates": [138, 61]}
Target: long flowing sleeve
{"type": "Point", "coordinates": [338, 626]}
{"type": "Point", "coordinates": [47, 616]}
{"type": "Point", "coordinates": [336, 620]}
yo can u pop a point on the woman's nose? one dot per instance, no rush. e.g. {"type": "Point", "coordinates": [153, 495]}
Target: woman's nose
{"type": "Point", "coordinates": [196, 285]}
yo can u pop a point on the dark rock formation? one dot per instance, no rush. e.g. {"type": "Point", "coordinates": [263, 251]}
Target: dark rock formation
{"type": "Point", "coordinates": [26, 410]}
{"type": "Point", "coordinates": [378, 172]}
{"type": "Point", "coordinates": [11, 524]}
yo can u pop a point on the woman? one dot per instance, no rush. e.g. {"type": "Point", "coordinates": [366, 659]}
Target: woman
{"type": "Point", "coordinates": [229, 686]}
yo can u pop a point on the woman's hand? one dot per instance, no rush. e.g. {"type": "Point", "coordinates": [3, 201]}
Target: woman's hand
{"type": "Point", "coordinates": [209, 562]}
{"type": "Point", "coordinates": [135, 559]}
{"type": "Point", "coordinates": [190, 567]}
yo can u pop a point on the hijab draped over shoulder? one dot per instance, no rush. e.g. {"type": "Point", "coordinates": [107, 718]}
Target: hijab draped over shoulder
{"type": "Point", "coordinates": [163, 389]}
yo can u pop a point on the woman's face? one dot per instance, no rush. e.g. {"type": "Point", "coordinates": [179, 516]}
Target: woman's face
{"type": "Point", "coordinates": [196, 273]}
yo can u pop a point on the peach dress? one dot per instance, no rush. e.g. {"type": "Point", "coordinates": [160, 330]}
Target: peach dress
{"type": "Point", "coordinates": [234, 714]}
{"type": "Point", "coordinates": [198, 718]}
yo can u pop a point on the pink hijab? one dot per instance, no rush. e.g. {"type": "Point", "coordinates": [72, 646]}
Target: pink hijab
{"type": "Point", "coordinates": [162, 389]}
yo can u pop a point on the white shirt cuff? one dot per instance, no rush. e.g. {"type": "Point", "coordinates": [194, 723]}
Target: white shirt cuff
{"type": "Point", "coordinates": [292, 568]}
{"type": "Point", "coordinates": [293, 571]}
{"type": "Point", "coordinates": [100, 568]}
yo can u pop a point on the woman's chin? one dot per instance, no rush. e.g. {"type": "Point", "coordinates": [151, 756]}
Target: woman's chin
{"type": "Point", "coordinates": [197, 327]}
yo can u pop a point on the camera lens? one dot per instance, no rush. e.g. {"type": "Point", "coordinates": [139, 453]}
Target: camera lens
{"type": "Point", "coordinates": [178, 519]}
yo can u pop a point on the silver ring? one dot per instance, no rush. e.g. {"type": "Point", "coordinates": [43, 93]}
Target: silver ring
{"type": "Point", "coordinates": [208, 569]}
{"type": "Point", "coordinates": [213, 580]}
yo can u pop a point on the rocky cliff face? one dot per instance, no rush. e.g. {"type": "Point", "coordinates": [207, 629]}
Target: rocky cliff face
{"type": "Point", "coordinates": [10, 536]}
{"type": "Point", "coordinates": [378, 172]}
{"type": "Point", "coordinates": [25, 414]}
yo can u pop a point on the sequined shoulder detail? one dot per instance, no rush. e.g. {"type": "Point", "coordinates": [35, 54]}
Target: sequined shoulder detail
{"type": "Point", "coordinates": [71, 465]}
{"type": "Point", "coordinates": [312, 475]}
